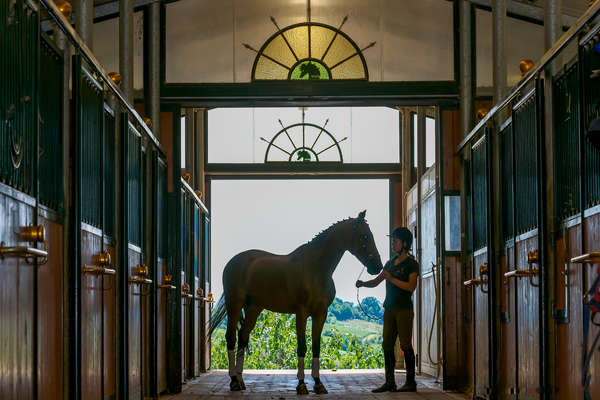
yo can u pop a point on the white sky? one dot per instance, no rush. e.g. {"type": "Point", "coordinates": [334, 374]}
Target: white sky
{"type": "Point", "coordinates": [280, 215]}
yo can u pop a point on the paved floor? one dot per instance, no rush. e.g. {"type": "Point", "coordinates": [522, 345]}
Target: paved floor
{"type": "Point", "coordinates": [281, 384]}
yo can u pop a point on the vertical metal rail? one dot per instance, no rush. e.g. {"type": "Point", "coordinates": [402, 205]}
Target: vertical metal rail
{"type": "Point", "coordinates": [124, 271]}
{"type": "Point", "coordinates": [102, 182]}
{"type": "Point", "coordinates": [75, 253]}
{"type": "Point", "coordinates": [543, 291]}
{"type": "Point", "coordinates": [154, 253]}
{"type": "Point", "coordinates": [36, 193]}
{"type": "Point", "coordinates": [491, 255]}
{"type": "Point", "coordinates": [514, 238]}
{"type": "Point", "coordinates": [174, 354]}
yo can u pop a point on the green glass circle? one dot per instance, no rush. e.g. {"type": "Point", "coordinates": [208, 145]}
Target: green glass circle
{"type": "Point", "coordinates": [303, 154]}
{"type": "Point", "coordinates": [310, 69]}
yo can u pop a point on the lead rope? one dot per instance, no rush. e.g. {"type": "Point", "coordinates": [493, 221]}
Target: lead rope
{"type": "Point", "coordinates": [359, 303]}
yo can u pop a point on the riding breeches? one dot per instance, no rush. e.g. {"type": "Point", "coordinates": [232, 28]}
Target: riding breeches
{"type": "Point", "coordinates": [397, 322]}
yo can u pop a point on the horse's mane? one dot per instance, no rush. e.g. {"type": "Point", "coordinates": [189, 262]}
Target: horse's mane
{"type": "Point", "coordinates": [319, 237]}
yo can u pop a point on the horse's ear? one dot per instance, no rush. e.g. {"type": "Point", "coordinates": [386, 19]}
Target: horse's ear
{"type": "Point", "coordinates": [361, 215]}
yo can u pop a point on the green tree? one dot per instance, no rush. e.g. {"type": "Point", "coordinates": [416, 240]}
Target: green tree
{"type": "Point", "coordinates": [273, 345]}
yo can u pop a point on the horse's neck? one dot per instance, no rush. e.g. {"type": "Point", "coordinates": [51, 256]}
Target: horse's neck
{"type": "Point", "coordinates": [329, 251]}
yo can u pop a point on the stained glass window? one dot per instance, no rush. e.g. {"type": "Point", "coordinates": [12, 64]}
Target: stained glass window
{"type": "Point", "coordinates": [312, 51]}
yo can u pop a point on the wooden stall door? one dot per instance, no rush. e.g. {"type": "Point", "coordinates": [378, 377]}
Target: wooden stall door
{"type": "Point", "coordinates": [19, 37]}
{"type": "Point", "coordinates": [161, 334]}
{"type": "Point", "coordinates": [508, 345]}
{"type": "Point", "coordinates": [481, 332]}
{"type": "Point", "coordinates": [591, 225]}
{"type": "Point", "coordinates": [16, 304]}
{"type": "Point", "coordinates": [528, 322]}
{"type": "Point", "coordinates": [569, 336]}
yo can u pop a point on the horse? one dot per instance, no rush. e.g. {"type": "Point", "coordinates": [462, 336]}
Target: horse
{"type": "Point", "coordinates": [297, 283]}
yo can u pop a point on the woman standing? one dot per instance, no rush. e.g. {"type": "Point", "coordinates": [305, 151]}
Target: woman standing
{"type": "Point", "coordinates": [400, 274]}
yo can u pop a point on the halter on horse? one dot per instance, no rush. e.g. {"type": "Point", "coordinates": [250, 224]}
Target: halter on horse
{"type": "Point", "coordinates": [297, 283]}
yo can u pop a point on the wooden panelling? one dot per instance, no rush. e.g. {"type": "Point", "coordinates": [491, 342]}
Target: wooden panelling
{"type": "Point", "coordinates": [429, 337]}
{"type": "Point", "coordinates": [592, 243]}
{"type": "Point", "coordinates": [469, 315]}
{"type": "Point", "coordinates": [161, 333]}
{"type": "Point", "coordinates": [527, 317]}
{"type": "Point", "coordinates": [508, 350]}
{"type": "Point", "coordinates": [184, 333]}
{"type": "Point", "coordinates": [453, 349]}
{"type": "Point", "coordinates": [451, 137]}
{"type": "Point", "coordinates": [481, 332]}
{"type": "Point", "coordinates": [109, 331]}
{"type": "Point", "coordinates": [204, 342]}
{"type": "Point", "coordinates": [91, 320]}
{"type": "Point", "coordinates": [135, 330]}
{"type": "Point", "coordinates": [569, 340]}
{"type": "Point", "coordinates": [16, 306]}
{"type": "Point", "coordinates": [50, 302]}
{"type": "Point", "coordinates": [197, 304]}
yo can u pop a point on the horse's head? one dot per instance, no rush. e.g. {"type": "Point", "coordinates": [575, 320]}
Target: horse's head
{"type": "Point", "coordinates": [363, 246]}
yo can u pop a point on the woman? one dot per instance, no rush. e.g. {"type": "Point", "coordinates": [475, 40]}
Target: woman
{"type": "Point", "coordinates": [400, 274]}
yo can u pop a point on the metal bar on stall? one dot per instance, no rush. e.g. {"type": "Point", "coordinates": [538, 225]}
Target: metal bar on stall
{"type": "Point", "coordinates": [84, 50]}
{"type": "Point", "coordinates": [123, 313]}
{"type": "Point", "coordinates": [75, 228]}
{"type": "Point", "coordinates": [542, 236]}
{"type": "Point", "coordinates": [572, 33]}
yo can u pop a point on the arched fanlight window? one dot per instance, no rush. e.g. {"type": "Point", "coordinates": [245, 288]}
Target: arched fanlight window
{"type": "Point", "coordinates": [303, 142]}
{"type": "Point", "coordinates": [309, 50]}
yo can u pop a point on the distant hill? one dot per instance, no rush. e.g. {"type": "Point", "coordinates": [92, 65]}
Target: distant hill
{"type": "Point", "coordinates": [345, 310]}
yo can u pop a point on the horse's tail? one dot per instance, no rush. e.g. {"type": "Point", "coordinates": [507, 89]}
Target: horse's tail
{"type": "Point", "coordinates": [218, 315]}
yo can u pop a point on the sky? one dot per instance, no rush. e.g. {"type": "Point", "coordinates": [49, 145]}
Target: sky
{"type": "Point", "coordinates": [279, 215]}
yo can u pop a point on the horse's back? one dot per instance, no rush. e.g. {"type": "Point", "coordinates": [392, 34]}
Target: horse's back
{"type": "Point", "coordinates": [237, 267]}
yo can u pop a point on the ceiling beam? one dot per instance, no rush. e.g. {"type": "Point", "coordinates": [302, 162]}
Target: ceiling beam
{"type": "Point", "coordinates": [525, 11]}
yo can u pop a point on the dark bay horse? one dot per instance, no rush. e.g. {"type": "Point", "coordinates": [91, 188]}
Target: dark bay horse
{"type": "Point", "coordinates": [297, 283]}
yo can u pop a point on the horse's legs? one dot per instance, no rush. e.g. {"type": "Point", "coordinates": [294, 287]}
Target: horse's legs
{"type": "Point", "coordinates": [234, 309]}
{"type": "Point", "coordinates": [318, 320]}
{"type": "Point", "coordinates": [301, 336]}
{"type": "Point", "coordinates": [251, 315]}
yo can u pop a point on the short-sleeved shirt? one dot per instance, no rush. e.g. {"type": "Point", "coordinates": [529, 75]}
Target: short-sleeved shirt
{"type": "Point", "coordinates": [394, 296]}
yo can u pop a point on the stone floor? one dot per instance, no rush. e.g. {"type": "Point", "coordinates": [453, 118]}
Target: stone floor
{"type": "Point", "coordinates": [281, 384]}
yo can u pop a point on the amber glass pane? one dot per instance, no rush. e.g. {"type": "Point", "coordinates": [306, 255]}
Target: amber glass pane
{"type": "Point", "coordinates": [280, 51]}
{"type": "Point", "coordinates": [340, 49]}
{"type": "Point", "coordinates": [267, 69]}
{"type": "Point", "coordinates": [320, 38]}
{"type": "Point", "coordinates": [350, 69]}
{"type": "Point", "coordinates": [298, 39]}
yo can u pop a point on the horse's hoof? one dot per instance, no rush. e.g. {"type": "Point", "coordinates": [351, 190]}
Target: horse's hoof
{"type": "Point", "coordinates": [234, 385]}
{"type": "Point", "coordinates": [242, 384]}
{"type": "Point", "coordinates": [301, 388]}
{"type": "Point", "coordinates": [320, 388]}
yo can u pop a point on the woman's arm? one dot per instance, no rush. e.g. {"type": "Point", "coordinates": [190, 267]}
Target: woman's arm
{"type": "Point", "coordinates": [372, 282]}
{"type": "Point", "coordinates": [409, 286]}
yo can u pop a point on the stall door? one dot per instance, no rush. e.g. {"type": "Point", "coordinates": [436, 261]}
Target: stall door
{"type": "Point", "coordinates": [138, 272]}
{"type": "Point", "coordinates": [165, 285]}
{"type": "Point", "coordinates": [31, 231]}
{"type": "Point", "coordinates": [525, 272]}
{"type": "Point", "coordinates": [93, 181]}
{"type": "Point", "coordinates": [479, 288]}
{"type": "Point", "coordinates": [203, 338]}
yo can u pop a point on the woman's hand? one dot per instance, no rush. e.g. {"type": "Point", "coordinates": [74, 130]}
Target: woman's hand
{"type": "Point", "coordinates": [359, 283]}
{"type": "Point", "coordinates": [386, 275]}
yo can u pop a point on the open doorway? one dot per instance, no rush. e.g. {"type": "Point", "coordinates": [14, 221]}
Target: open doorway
{"type": "Point", "coordinates": [279, 215]}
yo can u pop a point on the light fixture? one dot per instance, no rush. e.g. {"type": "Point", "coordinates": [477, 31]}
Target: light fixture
{"type": "Point", "coordinates": [526, 65]}
{"type": "Point", "coordinates": [65, 8]}
{"type": "Point", "coordinates": [115, 77]}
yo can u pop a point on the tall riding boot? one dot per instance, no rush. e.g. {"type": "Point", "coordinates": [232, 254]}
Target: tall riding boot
{"type": "Point", "coordinates": [390, 381]}
{"type": "Point", "coordinates": [411, 384]}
